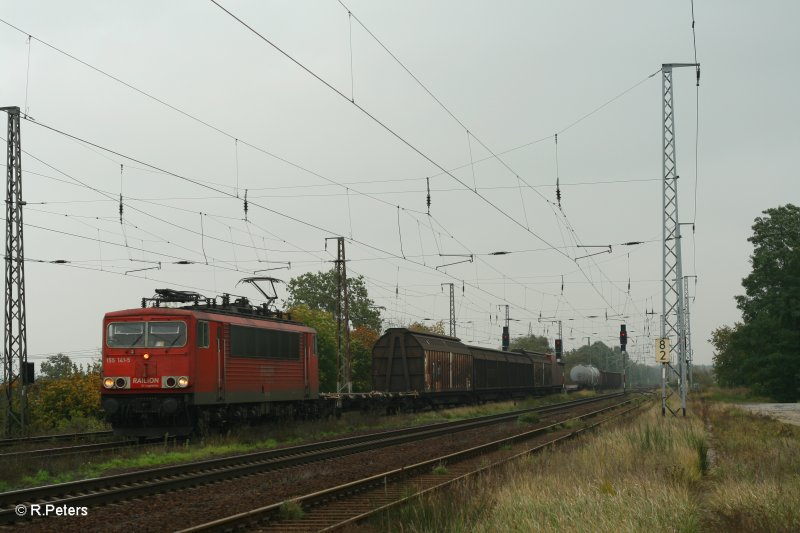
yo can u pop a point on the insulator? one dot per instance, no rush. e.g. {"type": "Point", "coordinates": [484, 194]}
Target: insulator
{"type": "Point", "coordinates": [428, 182]}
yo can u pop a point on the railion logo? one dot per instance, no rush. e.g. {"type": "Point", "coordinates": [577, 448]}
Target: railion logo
{"type": "Point", "coordinates": [145, 381]}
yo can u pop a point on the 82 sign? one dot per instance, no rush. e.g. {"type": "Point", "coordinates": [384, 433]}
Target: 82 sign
{"type": "Point", "coordinates": [662, 350]}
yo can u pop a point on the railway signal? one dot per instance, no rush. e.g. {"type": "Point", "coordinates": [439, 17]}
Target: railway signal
{"type": "Point", "coordinates": [559, 350]}
{"type": "Point", "coordinates": [623, 337]}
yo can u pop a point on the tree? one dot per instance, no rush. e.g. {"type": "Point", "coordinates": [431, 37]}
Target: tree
{"type": "Point", "coordinates": [362, 340]}
{"type": "Point", "coordinates": [598, 354]}
{"type": "Point", "coordinates": [773, 287]}
{"type": "Point", "coordinates": [58, 366]}
{"type": "Point", "coordinates": [325, 324]}
{"type": "Point", "coordinates": [319, 291]}
{"type": "Point", "coordinates": [726, 360]}
{"type": "Point", "coordinates": [436, 328]}
{"type": "Point", "coordinates": [65, 395]}
{"type": "Point", "coordinates": [762, 351]}
{"type": "Point", "coordinates": [533, 343]}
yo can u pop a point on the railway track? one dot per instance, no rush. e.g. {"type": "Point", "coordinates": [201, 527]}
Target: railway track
{"type": "Point", "coordinates": [345, 505]}
{"type": "Point", "coordinates": [53, 438]}
{"type": "Point", "coordinates": [77, 449]}
{"type": "Point", "coordinates": [147, 482]}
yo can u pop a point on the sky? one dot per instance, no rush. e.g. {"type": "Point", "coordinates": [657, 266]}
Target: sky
{"type": "Point", "coordinates": [336, 119]}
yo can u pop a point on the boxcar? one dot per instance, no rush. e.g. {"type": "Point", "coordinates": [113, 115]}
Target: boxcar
{"type": "Point", "coordinates": [442, 369]}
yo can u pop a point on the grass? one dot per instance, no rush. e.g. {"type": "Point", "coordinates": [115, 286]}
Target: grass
{"type": "Point", "coordinates": [528, 418]}
{"type": "Point", "coordinates": [638, 477]}
{"type": "Point", "coordinates": [733, 395]}
{"type": "Point", "coordinates": [756, 473]}
{"type": "Point", "coordinates": [291, 510]}
{"type": "Point", "coordinates": [440, 469]}
{"type": "Point", "coordinates": [718, 469]}
{"type": "Point", "coordinates": [473, 411]}
{"type": "Point", "coordinates": [60, 469]}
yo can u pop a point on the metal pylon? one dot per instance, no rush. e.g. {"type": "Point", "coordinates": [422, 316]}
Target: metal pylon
{"type": "Point", "coordinates": [344, 375]}
{"type": "Point", "coordinates": [672, 324]}
{"type": "Point", "coordinates": [689, 350]}
{"type": "Point", "coordinates": [16, 347]}
{"type": "Point", "coordinates": [452, 309]}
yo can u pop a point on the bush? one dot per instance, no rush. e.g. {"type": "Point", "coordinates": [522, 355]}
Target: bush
{"type": "Point", "coordinates": [70, 402]}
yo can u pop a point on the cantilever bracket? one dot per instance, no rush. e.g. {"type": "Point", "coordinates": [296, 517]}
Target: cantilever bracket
{"type": "Point", "coordinates": [469, 259]}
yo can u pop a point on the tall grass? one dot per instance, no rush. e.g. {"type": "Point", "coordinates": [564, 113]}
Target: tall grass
{"type": "Point", "coordinates": [756, 473]}
{"type": "Point", "coordinates": [634, 478]}
{"type": "Point", "coordinates": [718, 469]}
{"type": "Point", "coordinates": [638, 477]}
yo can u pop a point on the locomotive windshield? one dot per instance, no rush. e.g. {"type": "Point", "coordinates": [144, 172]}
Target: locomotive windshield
{"type": "Point", "coordinates": [146, 334]}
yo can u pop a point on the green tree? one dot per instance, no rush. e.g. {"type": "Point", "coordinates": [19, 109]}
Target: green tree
{"type": "Point", "coordinates": [58, 366]}
{"type": "Point", "coordinates": [362, 340]}
{"type": "Point", "coordinates": [598, 354]}
{"type": "Point", "coordinates": [533, 343]}
{"type": "Point", "coordinates": [325, 324]}
{"type": "Point", "coordinates": [319, 291]}
{"type": "Point", "coordinates": [727, 367]}
{"type": "Point", "coordinates": [762, 351]}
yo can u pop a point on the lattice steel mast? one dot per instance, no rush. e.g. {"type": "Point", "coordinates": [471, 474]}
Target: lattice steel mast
{"type": "Point", "coordinates": [344, 375]}
{"type": "Point", "coordinates": [689, 350]}
{"type": "Point", "coordinates": [673, 324]}
{"type": "Point", "coordinates": [15, 359]}
{"type": "Point", "coordinates": [452, 309]}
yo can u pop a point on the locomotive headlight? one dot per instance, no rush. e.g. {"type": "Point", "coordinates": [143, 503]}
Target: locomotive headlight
{"type": "Point", "coordinates": [146, 356]}
{"type": "Point", "coordinates": [108, 383]}
{"type": "Point", "coordinates": [183, 382]}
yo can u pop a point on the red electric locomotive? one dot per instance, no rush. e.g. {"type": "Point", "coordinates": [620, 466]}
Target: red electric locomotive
{"type": "Point", "coordinates": [170, 370]}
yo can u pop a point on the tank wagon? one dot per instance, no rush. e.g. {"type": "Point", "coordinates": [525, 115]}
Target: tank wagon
{"type": "Point", "coordinates": [440, 369]}
{"type": "Point", "coordinates": [589, 376]}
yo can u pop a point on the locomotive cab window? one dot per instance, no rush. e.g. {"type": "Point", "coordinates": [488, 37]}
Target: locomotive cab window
{"type": "Point", "coordinates": [125, 335]}
{"type": "Point", "coordinates": [146, 334]}
{"type": "Point", "coordinates": [202, 334]}
{"type": "Point", "coordinates": [166, 334]}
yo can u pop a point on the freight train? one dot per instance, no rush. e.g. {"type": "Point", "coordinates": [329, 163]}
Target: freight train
{"type": "Point", "coordinates": [208, 362]}
{"type": "Point", "coordinates": [443, 370]}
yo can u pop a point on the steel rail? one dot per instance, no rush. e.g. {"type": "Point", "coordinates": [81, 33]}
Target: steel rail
{"type": "Point", "coordinates": [147, 482]}
{"type": "Point", "coordinates": [78, 449]}
{"type": "Point", "coordinates": [48, 438]}
{"type": "Point", "coordinates": [538, 448]}
{"type": "Point", "coordinates": [256, 518]}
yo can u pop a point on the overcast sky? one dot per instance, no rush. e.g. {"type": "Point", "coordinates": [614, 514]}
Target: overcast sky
{"type": "Point", "coordinates": [243, 116]}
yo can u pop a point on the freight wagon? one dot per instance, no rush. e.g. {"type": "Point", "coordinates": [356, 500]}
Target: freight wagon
{"type": "Point", "coordinates": [442, 370]}
{"type": "Point", "coordinates": [589, 376]}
